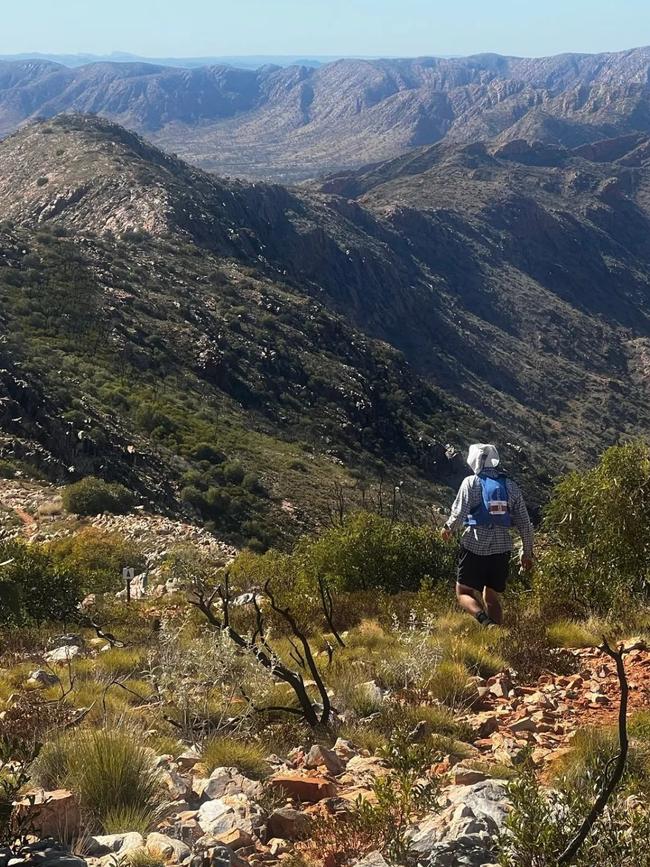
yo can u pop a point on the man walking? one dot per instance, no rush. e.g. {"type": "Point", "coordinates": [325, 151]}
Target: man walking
{"type": "Point", "coordinates": [486, 506]}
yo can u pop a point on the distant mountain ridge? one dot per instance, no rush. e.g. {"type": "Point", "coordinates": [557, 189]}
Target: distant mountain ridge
{"type": "Point", "coordinates": [241, 61]}
{"type": "Point", "coordinates": [299, 122]}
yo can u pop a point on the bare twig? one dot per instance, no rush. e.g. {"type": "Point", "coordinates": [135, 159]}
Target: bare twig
{"type": "Point", "coordinates": [609, 781]}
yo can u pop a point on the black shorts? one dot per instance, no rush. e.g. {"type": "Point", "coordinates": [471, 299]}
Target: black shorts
{"type": "Point", "coordinates": [479, 571]}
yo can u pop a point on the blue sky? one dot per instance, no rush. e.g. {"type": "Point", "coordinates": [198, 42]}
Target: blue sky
{"type": "Point", "coordinates": [322, 27]}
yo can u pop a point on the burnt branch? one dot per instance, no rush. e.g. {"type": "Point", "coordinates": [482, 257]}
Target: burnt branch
{"type": "Point", "coordinates": [328, 609]}
{"type": "Point", "coordinates": [614, 769]}
{"type": "Point", "coordinates": [261, 650]}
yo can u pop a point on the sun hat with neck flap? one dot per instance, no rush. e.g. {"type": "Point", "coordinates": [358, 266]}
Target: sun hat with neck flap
{"type": "Point", "coordinates": [482, 456]}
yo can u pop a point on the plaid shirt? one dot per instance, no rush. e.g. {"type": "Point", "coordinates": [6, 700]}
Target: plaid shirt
{"type": "Point", "coordinates": [490, 540]}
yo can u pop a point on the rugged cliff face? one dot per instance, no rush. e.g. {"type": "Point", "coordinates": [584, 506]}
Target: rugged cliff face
{"type": "Point", "coordinates": [297, 122]}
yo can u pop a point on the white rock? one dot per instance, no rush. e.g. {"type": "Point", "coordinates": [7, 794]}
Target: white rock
{"type": "Point", "coordinates": [226, 781]}
{"type": "Point", "coordinates": [62, 654]}
{"type": "Point", "coordinates": [119, 844]}
{"type": "Point", "coordinates": [232, 811]}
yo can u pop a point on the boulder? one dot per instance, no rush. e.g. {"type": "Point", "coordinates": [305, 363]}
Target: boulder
{"type": "Point", "coordinates": [363, 771]}
{"type": "Point", "coordinates": [226, 781]}
{"type": "Point", "coordinates": [62, 654]}
{"type": "Point", "coordinates": [49, 814]}
{"type": "Point", "coordinates": [177, 786]}
{"type": "Point", "coordinates": [463, 833]}
{"type": "Point", "coordinates": [320, 756]}
{"type": "Point", "coordinates": [288, 824]}
{"type": "Point", "coordinates": [41, 677]}
{"type": "Point", "coordinates": [168, 848]}
{"type": "Point", "coordinates": [43, 853]}
{"type": "Point", "coordinates": [462, 776]}
{"type": "Point", "coordinates": [232, 811]}
{"type": "Point", "coordinates": [234, 839]}
{"type": "Point", "coordinates": [117, 844]}
{"type": "Point", "coordinates": [188, 759]}
{"type": "Point", "coordinates": [302, 788]}
{"type": "Point", "coordinates": [345, 749]}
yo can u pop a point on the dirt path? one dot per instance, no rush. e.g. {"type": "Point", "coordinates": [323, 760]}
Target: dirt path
{"type": "Point", "coordinates": [545, 716]}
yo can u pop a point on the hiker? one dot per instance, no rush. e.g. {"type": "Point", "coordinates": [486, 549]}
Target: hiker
{"type": "Point", "coordinates": [486, 506]}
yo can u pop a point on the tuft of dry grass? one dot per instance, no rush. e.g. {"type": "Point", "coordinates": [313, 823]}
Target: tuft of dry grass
{"type": "Point", "coordinates": [249, 757]}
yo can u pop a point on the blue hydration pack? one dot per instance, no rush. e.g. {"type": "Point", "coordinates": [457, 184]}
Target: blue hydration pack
{"type": "Point", "coordinates": [493, 510]}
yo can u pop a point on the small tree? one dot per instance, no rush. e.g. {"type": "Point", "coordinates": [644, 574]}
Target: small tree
{"type": "Point", "coordinates": [217, 603]}
{"type": "Point", "coordinates": [599, 528]}
{"type": "Point", "coordinates": [33, 588]}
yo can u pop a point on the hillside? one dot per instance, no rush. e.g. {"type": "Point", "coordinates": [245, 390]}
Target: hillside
{"type": "Point", "coordinates": [473, 292]}
{"type": "Point", "coordinates": [295, 122]}
{"type": "Point", "coordinates": [155, 335]}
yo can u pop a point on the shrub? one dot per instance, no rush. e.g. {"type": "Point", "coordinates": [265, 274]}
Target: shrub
{"type": "Point", "coordinates": [541, 823]}
{"type": "Point", "coordinates": [228, 752]}
{"type": "Point", "coordinates": [91, 496]}
{"type": "Point", "coordinates": [369, 551]}
{"type": "Point", "coordinates": [529, 651]}
{"type": "Point", "coordinates": [97, 558]}
{"type": "Point", "coordinates": [599, 523]}
{"type": "Point", "coordinates": [207, 452]}
{"type": "Point", "coordinates": [380, 823]}
{"type": "Point", "coordinates": [233, 473]}
{"type": "Point", "coordinates": [35, 588]}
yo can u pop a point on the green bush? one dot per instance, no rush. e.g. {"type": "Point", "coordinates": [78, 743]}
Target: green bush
{"type": "Point", "coordinates": [599, 526]}
{"type": "Point", "coordinates": [207, 452]}
{"type": "Point", "coordinates": [34, 588]}
{"type": "Point", "coordinates": [541, 823]}
{"type": "Point", "coordinates": [91, 495]}
{"type": "Point", "coordinates": [96, 558]}
{"type": "Point", "coordinates": [369, 551]}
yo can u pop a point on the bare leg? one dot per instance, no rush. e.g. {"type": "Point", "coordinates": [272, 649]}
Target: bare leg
{"type": "Point", "coordinates": [467, 599]}
{"type": "Point", "coordinates": [493, 605]}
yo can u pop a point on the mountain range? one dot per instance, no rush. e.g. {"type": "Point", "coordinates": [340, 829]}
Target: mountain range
{"type": "Point", "coordinates": [362, 327]}
{"type": "Point", "coordinates": [287, 124]}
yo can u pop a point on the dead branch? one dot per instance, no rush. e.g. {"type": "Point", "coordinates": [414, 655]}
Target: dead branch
{"type": "Point", "coordinates": [307, 653]}
{"type": "Point", "coordinates": [328, 609]}
{"type": "Point", "coordinates": [609, 781]}
{"type": "Point", "coordinates": [261, 651]}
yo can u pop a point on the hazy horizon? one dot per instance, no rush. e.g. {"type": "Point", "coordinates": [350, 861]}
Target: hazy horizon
{"type": "Point", "coordinates": [322, 30]}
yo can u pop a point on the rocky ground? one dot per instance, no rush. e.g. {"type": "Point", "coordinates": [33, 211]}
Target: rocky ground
{"type": "Point", "coordinates": [35, 512]}
{"type": "Point", "coordinates": [224, 818]}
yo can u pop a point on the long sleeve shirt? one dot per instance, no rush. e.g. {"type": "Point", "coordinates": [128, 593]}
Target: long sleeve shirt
{"type": "Point", "coordinates": [487, 540]}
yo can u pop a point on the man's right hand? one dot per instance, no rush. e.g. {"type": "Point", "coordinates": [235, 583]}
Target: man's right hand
{"type": "Point", "coordinates": [446, 534]}
{"type": "Point", "coordinates": [527, 564]}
